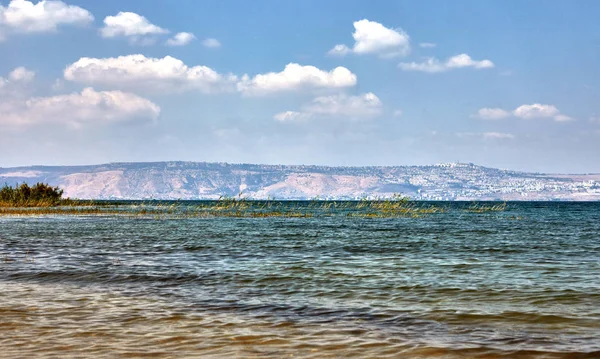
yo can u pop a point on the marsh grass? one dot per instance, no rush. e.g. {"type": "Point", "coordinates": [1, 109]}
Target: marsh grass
{"type": "Point", "coordinates": [237, 207]}
{"type": "Point", "coordinates": [16, 202]}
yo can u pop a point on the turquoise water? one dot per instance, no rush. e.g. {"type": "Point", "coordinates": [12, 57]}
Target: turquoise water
{"type": "Point", "coordinates": [518, 283]}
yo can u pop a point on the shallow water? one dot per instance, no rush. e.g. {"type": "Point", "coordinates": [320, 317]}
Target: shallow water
{"type": "Point", "coordinates": [519, 283]}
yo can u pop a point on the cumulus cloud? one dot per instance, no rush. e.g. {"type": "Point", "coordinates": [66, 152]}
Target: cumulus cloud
{"type": "Point", "coordinates": [491, 114]}
{"type": "Point", "coordinates": [133, 26]}
{"type": "Point", "coordinates": [427, 45]}
{"type": "Point", "coordinates": [433, 65]}
{"type": "Point", "coordinates": [181, 39]}
{"type": "Point", "coordinates": [211, 43]}
{"type": "Point", "coordinates": [166, 74]}
{"type": "Point", "coordinates": [295, 77]}
{"type": "Point", "coordinates": [371, 37]}
{"type": "Point", "coordinates": [21, 74]}
{"type": "Point", "coordinates": [343, 106]}
{"type": "Point", "coordinates": [77, 109]}
{"type": "Point", "coordinates": [535, 110]}
{"type": "Point", "coordinates": [21, 16]}
{"type": "Point", "coordinates": [525, 112]}
{"type": "Point", "coordinates": [169, 74]}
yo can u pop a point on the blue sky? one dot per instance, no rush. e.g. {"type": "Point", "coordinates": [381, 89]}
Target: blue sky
{"type": "Point", "coordinates": [510, 84]}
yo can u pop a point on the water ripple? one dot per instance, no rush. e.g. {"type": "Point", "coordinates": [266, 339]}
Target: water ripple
{"type": "Point", "coordinates": [450, 286]}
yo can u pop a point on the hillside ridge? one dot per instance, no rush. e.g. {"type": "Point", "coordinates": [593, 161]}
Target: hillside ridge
{"type": "Point", "coordinates": [209, 180]}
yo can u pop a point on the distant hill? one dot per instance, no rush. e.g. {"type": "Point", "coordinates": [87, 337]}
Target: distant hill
{"type": "Point", "coordinates": [201, 180]}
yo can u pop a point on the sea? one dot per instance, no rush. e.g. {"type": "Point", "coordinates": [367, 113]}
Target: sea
{"type": "Point", "coordinates": [520, 282]}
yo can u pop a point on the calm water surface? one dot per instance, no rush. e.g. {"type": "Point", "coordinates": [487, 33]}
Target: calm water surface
{"type": "Point", "coordinates": [521, 283]}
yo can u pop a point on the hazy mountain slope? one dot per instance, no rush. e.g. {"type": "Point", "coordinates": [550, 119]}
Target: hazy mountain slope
{"type": "Point", "coordinates": [195, 180]}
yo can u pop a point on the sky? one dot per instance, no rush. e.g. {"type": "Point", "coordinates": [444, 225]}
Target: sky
{"type": "Point", "coordinates": [510, 84]}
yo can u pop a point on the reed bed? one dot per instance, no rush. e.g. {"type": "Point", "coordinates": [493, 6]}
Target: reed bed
{"type": "Point", "coordinates": [42, 199]}
{"type": "Point", "coordinates": [234, 207]}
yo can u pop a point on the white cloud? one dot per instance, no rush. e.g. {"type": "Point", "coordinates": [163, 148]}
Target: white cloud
{"type": "Point", "coordinates": [21, 16]}
{"type": "Point", "coordinates": [342, 106]}
{"type": "Point", "coordinates": [131, 25]}
{"type": "Point", "coordinates": [169, 74]}
{"type": "Point", "coordinates": [365, 105]}
{"type": "Point", "coordinates": [211, 43]}
{"type": "Point", "coordinates": [535, 110]}
{"type": "Point", "coordinates": [427, 45]}
{"type": "Point", "coordinates": [433, 65]}
{"type": "Point", "coordinates": [181, 39]}
{"type": "Point", "coordinates": [525, 112]}
{"type": "Point", "coordinates": [491, 114]}
{"type": "Point", "coordinates": [397, 113]}
{"type": "Point", "coordinates": [150, 74]}
{"type": "Point", "coordinates": [563, 118]}
{"type": "Point", "coordinates": [464, 60]}
{"type": "Point", "coordinates": [373, 38]}
{"type": "Point", "coordinates": [295, 77]}
{"type": "Point", "coordinates": [77, 109]}
{"type": "Point", "coordinates": [21, 74]}
{"type": "Point", "coordinates": [340, 50]}
{"type": "Point", "coordinates": [12, 86]}
{"type": "Point", "coordinates": [498, 135]}
{"type": "Point", "coordinates": [289, 116]}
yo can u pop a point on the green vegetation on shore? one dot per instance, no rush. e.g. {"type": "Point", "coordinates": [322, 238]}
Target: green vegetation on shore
{"type": "Point", "coordinates": [38, 195]}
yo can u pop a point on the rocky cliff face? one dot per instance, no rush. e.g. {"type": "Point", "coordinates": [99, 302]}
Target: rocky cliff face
{"type": "Point", "coordinates": [200, 180]}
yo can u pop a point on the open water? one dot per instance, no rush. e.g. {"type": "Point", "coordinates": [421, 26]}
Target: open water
{"type": "Point", "coordinates": [518, 283]}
